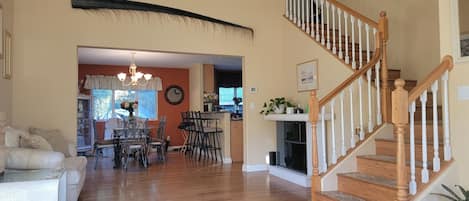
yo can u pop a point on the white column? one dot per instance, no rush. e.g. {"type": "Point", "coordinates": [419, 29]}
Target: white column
{"type": "Point", "coordinates": [354, 62]}
{"type": "Point", "coordinates": [347, 58]}
{"type": "Point", "coordinates": [423, 100]}
{"type": "Point", "coordinates": [436, 157]}
{"type": "Point", "coordinates": [323, 139]}
{"type": "Point", "coordinates": [333, 144]}
{"type": "Point", "coordinates": [334, 48]}
{"type": "Point", "coordinates": [370, 102]}
{"type": "Point", "coordinates": [352, 126]}
{"type": "Point", "coordinates": [412, 183]}
{"type": "Point", "coordinates": [343, 149]}
{"type": "Point", "coordinates": [328, 29]}
{"type": "Point", "coordinates": [339, 19]}
{"type": "Point", "coordinates": [447, 146]}
{"type": "Point", "coordinates": [360, 44]}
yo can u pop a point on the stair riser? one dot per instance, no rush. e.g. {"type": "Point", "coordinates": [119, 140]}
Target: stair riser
{"type": "Point", "coordinates": [324, 198]}
{"type": "Point", "coordinates": [429, 114]}
{"type": "Point", "coordinates": [418, 132]}
{"type": "Point", "coordinates": [389, 149]}
{"type": "Point", "coordinates": [365, 190]}
{"type": "Point", "coordinates": [382, 169]}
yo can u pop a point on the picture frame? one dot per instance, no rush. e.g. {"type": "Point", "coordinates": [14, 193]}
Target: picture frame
{"type": "Point", "coordinates": [307, 75]}
{"type": "Point", "coordinates": [7, 71]}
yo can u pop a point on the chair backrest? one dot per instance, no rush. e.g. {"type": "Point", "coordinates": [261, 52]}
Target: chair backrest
{"type": "Point", "coordinates": [160, 133]}
{"type": "Point", "coordinates": [142, 122]}
{"type": "Point", "coordinates": [110, 125]}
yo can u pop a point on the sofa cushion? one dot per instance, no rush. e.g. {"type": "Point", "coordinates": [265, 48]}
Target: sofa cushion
{"type": "Point", "coordinates": [75, 168]}
{"type": "Point", "coordinates": [57, 140]}
{"type": "Point", "coordinates": [12, 136]}
{"type": "Point", "coordinates": [35, 142]}
{"type": "Point", "coordinates": [31, 159]}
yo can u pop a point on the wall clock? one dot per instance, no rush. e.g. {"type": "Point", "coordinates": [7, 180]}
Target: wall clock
{"type": "Point", "coordinates": [174, 95]}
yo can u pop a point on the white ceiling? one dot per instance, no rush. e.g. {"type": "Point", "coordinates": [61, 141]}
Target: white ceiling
{"type": "Point", "coordinates": [102, 56]}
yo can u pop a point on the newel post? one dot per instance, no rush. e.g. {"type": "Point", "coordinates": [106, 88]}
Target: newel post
{"type": "Point", "coordinates": [313, 117]}
{"type": "Point", "coordinates": [385, 91]}
{"type": "Point", "coordinates": [400, 119]}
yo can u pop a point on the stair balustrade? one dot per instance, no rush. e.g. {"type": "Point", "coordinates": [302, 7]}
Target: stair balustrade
{"type": "Point", "coordinates": [405, 106]}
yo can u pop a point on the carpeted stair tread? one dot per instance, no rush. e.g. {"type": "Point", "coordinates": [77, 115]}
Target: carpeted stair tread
{"type": "Point", "coordinates": [418, 141]}
{"type": "Point", "coordinates": [391, 159]}
{"type": "Point", "coordinates": [391, 183]}
{"type": "Point", "coordinates": [337, 195]}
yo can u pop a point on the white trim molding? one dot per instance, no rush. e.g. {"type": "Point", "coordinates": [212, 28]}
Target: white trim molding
{"type": "Point", "coordinates": [291, 176]}
{"type": "Point", "coordinates": [255, 168]}
{"type": "Point", "coordinates": [227, 161]}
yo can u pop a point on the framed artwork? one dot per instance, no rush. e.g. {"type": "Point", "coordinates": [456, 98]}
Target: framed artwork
{"type": "Point", "coordinates": [307, 75]}
{"type": "Point", "coordinates": [7, 71]}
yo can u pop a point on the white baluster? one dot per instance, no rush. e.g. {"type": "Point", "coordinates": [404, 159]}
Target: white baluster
{"type": "Point", "coordinates": [298, 13]}
{"type": "Point", "coordinates": [412, 183]}
{"type": "Point", "coordinates": [333, 146]}
{"type": "Point", "coordinates": [423, 100]}
{"type": "Point", "coordinates": [436, 157]}
{"type": "Point", "coordinates": [334, 49]}
{"type": "Point", "coordinates": [294, 10]}
{"type": "Point", "coordinates": [352, 127]}
{"type": "Point", "coordinates": [323, 139]}
{"type": "Point", "coordinates": [308, 24]}
{"type": "Point", "coordinates": [290, 10]}
{"type": "Point", "coordinates": [339, 17]}
{"type": "Point", "coordinates": [370, 102]}
{"type": "Point", "coordinates": [342, 124]}
{"type": "Point", "coordinates": [323, 28]}
{"type": "Point", "coordinates": [347, 57]}
{"type": "Point", "coordinates": [360, 44]}
{"type": "Point", "coordinates": [379, 116]}
{"type": "Point", "coordinates": [302, 14]}
{"type": "Point", "coordinates": [447, 146]}
{"type": "Point", "coordinates": [360, 101]}
{"type": "Point", "coordinates": [367, 30]}
{"type": "Point", "coordinates": [316, 24]}
{"type": "Point", "coordinates": [354, 62]}
{"type": "Point", "coordinates": [328, 42]}
{"type": "Point", "coordinates": [286, 8]}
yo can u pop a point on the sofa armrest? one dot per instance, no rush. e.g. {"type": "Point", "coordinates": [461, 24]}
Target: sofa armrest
{"type": "Point", "coordinates": [29, 159]}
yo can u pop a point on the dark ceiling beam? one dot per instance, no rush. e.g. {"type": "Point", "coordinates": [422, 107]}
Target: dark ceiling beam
{"type": "Point", "coordinates": [139, 6]}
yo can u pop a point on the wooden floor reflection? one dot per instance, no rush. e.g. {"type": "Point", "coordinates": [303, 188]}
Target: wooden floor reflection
{"type": "Point", "coordinates": [184, 179]}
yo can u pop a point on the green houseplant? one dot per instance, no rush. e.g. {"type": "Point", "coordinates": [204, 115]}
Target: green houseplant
{"type": "Point", "coordinates": [276, 105]}
{"type": "Point", "coordinates": [453, 195]}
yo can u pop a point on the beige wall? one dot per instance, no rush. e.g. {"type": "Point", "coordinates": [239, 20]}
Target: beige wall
{"type": "Point", "coordinates": [464, 17]}
{"type": "Point", "coordinates": [413, 33]}
{"type": "Point", "coordinates": [458, 108]}
{"type": "Point", "coordinates": [48, 32]}
{"type": "Point", "coordinates": [6, 85]}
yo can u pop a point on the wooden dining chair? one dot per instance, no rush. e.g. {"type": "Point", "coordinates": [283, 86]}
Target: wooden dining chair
{"type": "Point", "coordinates": [107, 141]}
{"type": "Point", "coordinates": [159, 142]}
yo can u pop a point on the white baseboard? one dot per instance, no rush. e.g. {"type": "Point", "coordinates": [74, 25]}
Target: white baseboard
{"type": "Point", "coordinates": [227, 161]}
{"type": "Point", "coordinates": [291, 176]}
{"type": "Point", "coordinates": [255, 168]}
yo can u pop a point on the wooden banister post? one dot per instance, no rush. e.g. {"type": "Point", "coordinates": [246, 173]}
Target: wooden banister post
{"type": "Point", "coordinates": [385, 91]}
{"type": "Point", "coordinates": [400, 119]}
{"type": "Point", "coordinates": [313, 117]}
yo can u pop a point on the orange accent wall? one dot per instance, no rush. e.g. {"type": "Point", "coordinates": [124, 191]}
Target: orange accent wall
{"type": "Point", "coordinates": [169, 76]}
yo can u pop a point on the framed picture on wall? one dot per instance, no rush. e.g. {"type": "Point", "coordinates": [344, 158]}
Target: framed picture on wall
{"type": "Point", "coordinates": [7, 71]}
{"type": "Point", "coordinates": [307, 75]}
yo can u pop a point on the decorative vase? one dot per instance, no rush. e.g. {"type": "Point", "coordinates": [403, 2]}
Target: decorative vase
{"type": "Point", "coordinates": [279, 109]}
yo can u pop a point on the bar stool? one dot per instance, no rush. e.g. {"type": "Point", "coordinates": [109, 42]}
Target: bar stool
{"type": "Point", "coordinates": [208, 138]}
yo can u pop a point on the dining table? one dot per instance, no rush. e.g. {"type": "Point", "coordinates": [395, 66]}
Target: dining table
{"type": "Point", "coordinates": [123, 135]}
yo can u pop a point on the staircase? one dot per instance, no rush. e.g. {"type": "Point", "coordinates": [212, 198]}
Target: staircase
{"type": "Point", "coordinates": [401, 167]}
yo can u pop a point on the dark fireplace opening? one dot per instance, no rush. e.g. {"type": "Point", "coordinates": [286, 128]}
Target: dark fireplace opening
{"type": "Point", "coordinates": [291, 145]}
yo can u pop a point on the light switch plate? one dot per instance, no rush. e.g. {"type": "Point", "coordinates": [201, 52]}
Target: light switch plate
{"type": "Point", "coordinates": [463, 93]}
{"type": "Point", "coordinates": [253, 90]}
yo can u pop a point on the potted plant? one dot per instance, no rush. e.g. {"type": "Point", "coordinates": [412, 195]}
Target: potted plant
{"type": "Point", "coordinates": [453, 195]}
{"type": "Point", "coordinates": [276, 105]}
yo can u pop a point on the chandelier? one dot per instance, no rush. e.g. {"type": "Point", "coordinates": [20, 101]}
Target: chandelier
{"type": "Point", "coordinates": [135, 77]}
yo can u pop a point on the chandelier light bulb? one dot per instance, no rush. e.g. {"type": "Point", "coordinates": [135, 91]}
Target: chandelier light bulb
{"type": "Point", "coordinates": [147, 76]}
{"type": "Point", "coordinates": [121, 76]}
{"type": "Point", "coordinates": [135, 76]}
{"type": "Point", "coordinates": [139, 75]}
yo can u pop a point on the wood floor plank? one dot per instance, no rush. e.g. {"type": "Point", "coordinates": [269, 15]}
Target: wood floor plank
{"type": "Point", "coordinates": [182, 179]}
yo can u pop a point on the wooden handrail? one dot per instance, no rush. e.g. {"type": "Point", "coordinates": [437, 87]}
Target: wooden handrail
{"type": "Point", "coordinates": [336, 91]}
{"type": "Point", "coordinates": [354, 13]}
{"type": "Point", "coordinates": [446, 64]}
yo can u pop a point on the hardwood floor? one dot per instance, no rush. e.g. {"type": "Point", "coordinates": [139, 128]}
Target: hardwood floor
{"type": "Point", "coordinates": [184, 179]}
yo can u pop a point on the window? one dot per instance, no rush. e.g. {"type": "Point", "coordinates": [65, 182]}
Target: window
{"type": "Point", "coordinates": [226, 95]}
{"type": "Point", "coordinates": [106, 103]}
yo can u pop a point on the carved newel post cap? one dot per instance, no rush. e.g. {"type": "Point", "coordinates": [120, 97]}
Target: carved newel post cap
{"type": "Point", "coordinates": [399, 83]}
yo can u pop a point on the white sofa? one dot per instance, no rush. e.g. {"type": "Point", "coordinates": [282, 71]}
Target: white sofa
{"type": "Point", "coordinates": [62, 155]}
